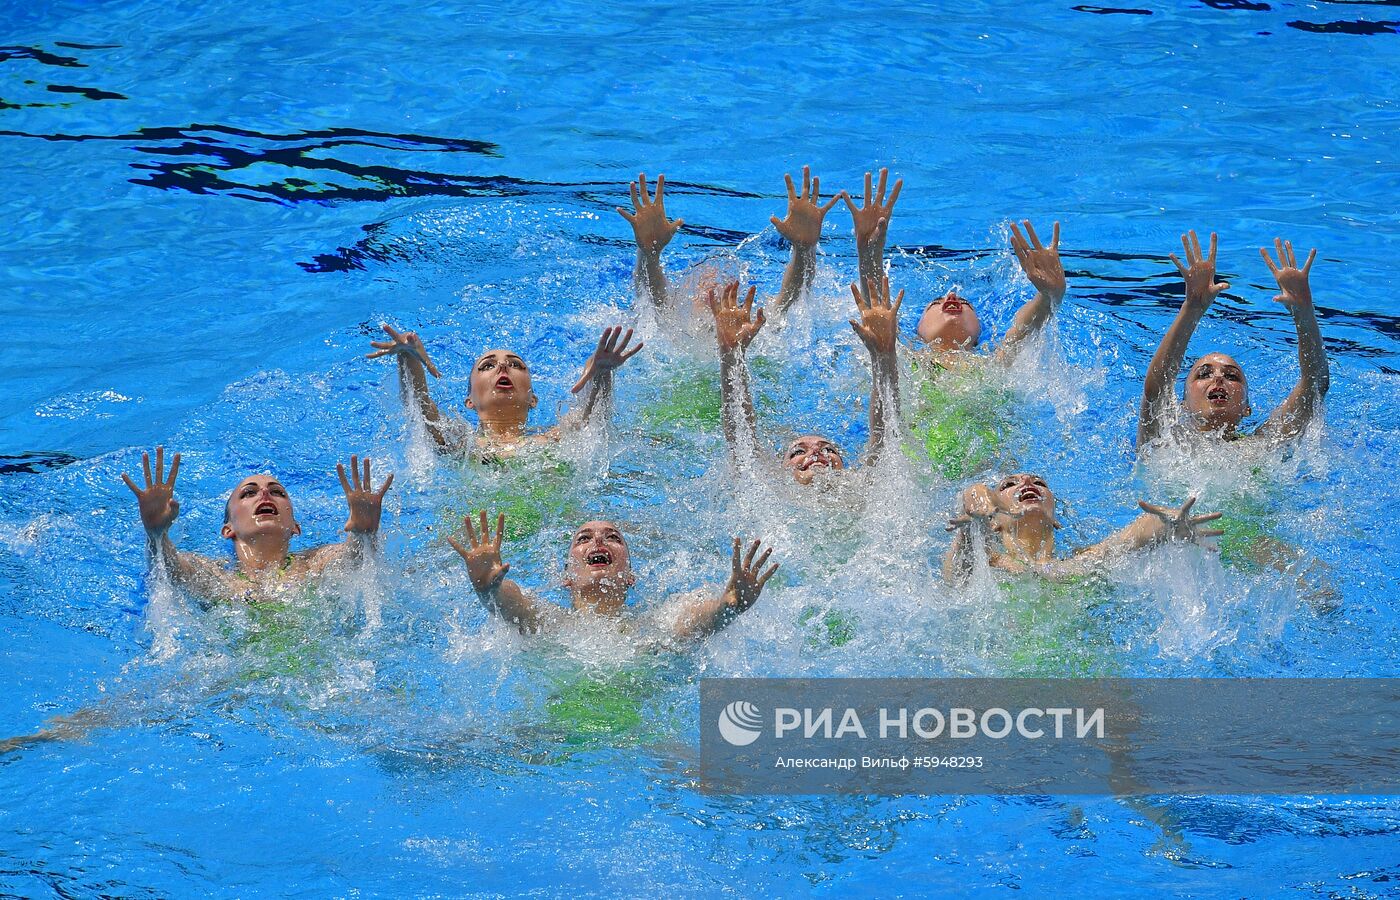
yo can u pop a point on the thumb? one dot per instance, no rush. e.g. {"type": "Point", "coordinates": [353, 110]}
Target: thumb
{"type": "Point", "coordinates": [777, 223]}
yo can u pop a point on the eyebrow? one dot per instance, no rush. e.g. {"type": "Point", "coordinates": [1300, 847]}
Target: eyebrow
{"type": "Point", "coordinates": [251, 483]}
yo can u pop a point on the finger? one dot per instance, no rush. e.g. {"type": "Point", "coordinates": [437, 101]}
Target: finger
{"type": "Point", "coordinates": [344, 483]}
{"type": "Point", "coordinates": [131, 484]}
{"type": "Point", "coordinates": [1208, 517]}
{"type": "Point", "coordinates": [1055, 237]}
{"type": "Point", "coordinates": [731, 295]}
{"type": "Point", "coordinates": [767, 575]}
{"type": "Point", "coordinates": [1282, 258]}
{"type": "Point", "coordinates": [431, 368]}
{"type": "Point", "coordinates": [1307, 266]}
{"type": "Point", "coordinates": [748, 557]}
{"type": "Point", "coordinates": [642, 186]}
{"type": "Point", "coordinates": [501, 524]}
{"type": "Point", "coordinates": [174, 471]}
{"type": "Point", "coordinates": [736, 557]}
{"type": "Point", "coordinates": [461, 551]}
{"type": "Point", "coordinates": [777, 222]}
{"type": "Point", "coordinates": [867, 188]}
{"type": "Point", "coordinates": [1268, 261]}
{"type": "Point", "coordinates": [1154, 509]}
{"type": "Point", "coordinates": [382, 345]}
{"type": "Point", "coordinates": [626, 215]}
{"type": "Point", "coordinates": [1186, 245]}
{"type": "Point", "coordinates": [633, 352]}
{"type": "Point", "coordinates": [582, 380]}
{"type": "Point", "coordinates": [1292, 260]}
{"type": "Point", "coordinates": [1210, 532]}
{"type": "Point", "coordinates": [1179, 267]}
{"type": "Point", "coordinates": [880, 191]}
{"type": "Point", "coordinates": [1213, 245]}
{"type": "Point", "coordinates": [748, 300]}
{"type": "Point", "coordinates": [377, 354]}
{"type": "Point", "coordinates": [389, 330]}
{"type": "Point", "coordinates": [759, 319]}
{"type": "Point", "coordinates": [816, 194]}
{"type": "Point", "coordinates": [388, 482]}
{"type": "Point", "coordinates": [711, 302]}
{"type": "Point", "coordinates": [636, 201]}
{"type": "Point", "coordinates": [626, 339]}
{"type": "Point", "coordinates": [146, 468]}
{"type": "Point", "coordinates": [762, 560]}
{"type": "Point", "coordinates": [355, 471]}
{"type": "Point", "coordinates": [894, 194]}
{"type": "Point", "coordinates": [676, 225]}
{"type": "Point", "coordinates": [471, 532]}
{"type": "Point", "coordinates": [792, 191]}
{"type": "Point", "coordinates": [1196, 244]}
{"type": "Point", "coordinates": [602, 342]}
{"type": "Point", "coordinates": [160, 464]}
{"type": "Point", "coordinates": [850, 204]}
{"type": "Point", "coordinates": [898, 302]}
{"type": "Point", "coordinates": [660, 187]}
{"type": "Point", "coordinates": [860, 301]}
{"type": "Point", "coordinates": [1186, 507]}
{"type": "Point", "coordinates": [806, 181]}
{"type": "Point", "coordinates": [826, 208]}
{"type": "Point", "coordinates": [1222, 286]}
{"type": "Point", "coordinates": [485, 530]}
{"type": "Point", "coordinates": [1030, 233]}
{"type": "Point", "coordinates": [367, 483]}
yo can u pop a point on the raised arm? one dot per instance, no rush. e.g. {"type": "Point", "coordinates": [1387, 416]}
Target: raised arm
{"type": "Point", "coordinates": [652, 232]}
{"type": "Point", "coordinates": [1159, 387]}
{"type": "Point", "coordinates": [498, 593]}
{"type": "Point", "coordinates": [735, 328]}
{"type": "Point", "coordinates": [872, 224]}
{"type": "Point", "coordinates": [365, 505]}
{"type": "Point", "coordinates": [159, 509]}
{"type": "Point", "coordinates": [596, 382]}
{"type": "Point", "coordinates": [700, 617]}
{"type": "Point", "coordinates": [978, 507]}
{"type": "Point", "coordinates": [1298, 409]}
{"type": "Point", "coordinates": [1156, 525]}
{"type": "Point", "coordinates": [878, 329]}
{"type": "Point", "coordinates": [803, 229]}
{"type": "Point", "coordinates": [414, 367]}
{"type": "Point", "coordinates": [1042, 266]}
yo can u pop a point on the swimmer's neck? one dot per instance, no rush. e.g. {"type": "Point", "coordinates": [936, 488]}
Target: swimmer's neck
{"type": "Point", "coordinates": [503, 427]}
{"type": "Point", "coordinates": [599, 600]}
{"type": "Point", "coordinates": [1227, 431]}
{"type": "Point", "coordinates": [1033, 540]}
{"type": "Point", "coordinates": [947, 357]}
{"type": "Point", "coordinates": [262, 554]}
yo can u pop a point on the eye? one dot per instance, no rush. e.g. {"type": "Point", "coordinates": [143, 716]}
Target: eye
{"type": "Point", "coordinates": [1040, 482]}
{"type": "Point", "coordinates": [794, 452]}
{"type": "Point", "coordinates": [517, 364]}
{"type": "Point", "coordinates": [279, 492]}
{"type": "Point", "coordinates": [1010, 482]}
{"type": "Point", "coordinates": [249, 491]}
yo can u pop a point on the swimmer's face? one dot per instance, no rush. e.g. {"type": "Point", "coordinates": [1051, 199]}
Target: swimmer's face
{"type": "Point", "coordinates": [260, 505]}
{"type": "Point", "coordinates": [598, 557]}
{"type": "Point", "coordinates": [809, 455]}
{"type": "Point", "coordinates": [1028, 494]}
{"type": "Point", "coordinates": [501, 385]}
{"type": "Point", "coordinates": [1216, 392]}
{"type": "Point", "coordinates": [950, 323]}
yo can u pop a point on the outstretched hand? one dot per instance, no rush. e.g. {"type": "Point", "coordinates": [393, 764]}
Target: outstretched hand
{"type": "Point", "coordinates": [803, 225]}
{"type": "Point", "coordinates": [157, 502]}
{"type": "Point", "coordinates": [735, 324]}
{"type": "Point", "coordinates": [1292, 281]}
{"type": "Point", "coordinates": [648, 219]}
{"type": "Point", "coordinates": [878, 327]}
{"type": "Point", "coordinates": [405, 343]}
{"type": "Point", "coordinates": [979, 504]}
{"type": "Point", "coordinates": [1199, 271]}
{"type": "Point", "coordinates": [1179, 524]}
{"type": "Point", "coordinates": [745, 580]}
{"type": "Point", "coordinates": [483, 557]}
{"type": "Point", "coordinates": [1040, 263]}
{"type": "Point", "coordinates": [872, 221]}
{"type": "Point", "coordinates": [366, 504]}
{"type": "Point", "coordinates": [610, 355]}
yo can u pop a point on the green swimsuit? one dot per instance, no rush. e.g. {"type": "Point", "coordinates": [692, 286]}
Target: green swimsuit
{"type": "Point", "coordinates": [960, 419]}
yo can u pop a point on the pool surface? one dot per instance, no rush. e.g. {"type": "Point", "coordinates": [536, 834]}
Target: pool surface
{"type": "Point", "coordinates": [212, 206]}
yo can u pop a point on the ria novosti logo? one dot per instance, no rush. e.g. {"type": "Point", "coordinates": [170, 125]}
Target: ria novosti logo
{"type": "Point", "coordinates": [740, 723]}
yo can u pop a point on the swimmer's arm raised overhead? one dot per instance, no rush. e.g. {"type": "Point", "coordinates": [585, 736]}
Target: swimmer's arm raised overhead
{"type": "Point", "coordinates": [652, 232]}
{"type": "Point", "coordinates": [872, 224]}
{"type": "Point", "coordinates": [1298, 409]}
{"type": "Point", "coordinates": [803, 229]}
{"type": "Point", "coordinates": [878, 329]}
{"type": "Point", "coordinates": [735, 327]}
{"type": "Point", "coordinates": [596, 382]}
{"type": "Point", "coordinates": [414, 366]}
{"type": "Point", "coordinates": [1157, 525]}
{"type": "Point", "coordinates": [366, 507]}
{"type": "Point", "coordinates": [487, 572]}
{"type": "Point", "coordinates": [159, 509]}
{"type": "Point", "coordinates": [1042, 266]}
{"type": "Point", "coordinates": [698, 617]}
{"type": "Point", "coordinates": [1159, 387]}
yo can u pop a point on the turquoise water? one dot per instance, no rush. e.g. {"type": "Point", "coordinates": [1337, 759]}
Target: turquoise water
{"type": "Point", "coordinates": [212, 207]}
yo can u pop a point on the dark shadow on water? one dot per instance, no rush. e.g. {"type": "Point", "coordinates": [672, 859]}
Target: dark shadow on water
{"type": "Point", "coordinates": [35, 462]}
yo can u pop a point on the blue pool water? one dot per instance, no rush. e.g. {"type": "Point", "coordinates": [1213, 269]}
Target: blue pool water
{"type": "Point", "coordinates": [212, 206]}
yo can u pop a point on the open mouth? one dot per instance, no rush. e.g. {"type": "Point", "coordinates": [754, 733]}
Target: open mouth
{"type": "Point", "coordinates": [1217, 395]}
{"type": "Point", "coordinates": [504, 383]}
{"type": "Point", "coordinates": [265, 508]}
{"type": "Point", "coordinates": [813, 461]}
{"type": "Point", "coordinates": [953, 306]}
{"type": "Point", "coordinates": [1029, 495]}
{"type": "Point", "coordinates": [598, 559]}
